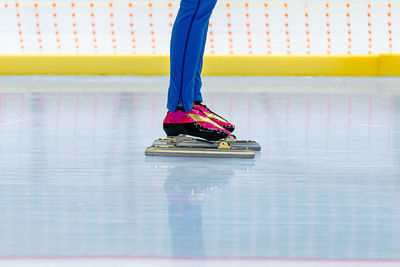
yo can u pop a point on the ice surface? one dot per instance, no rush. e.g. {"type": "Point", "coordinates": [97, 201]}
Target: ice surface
{"type": "Point", "coordinates": [74, 181]}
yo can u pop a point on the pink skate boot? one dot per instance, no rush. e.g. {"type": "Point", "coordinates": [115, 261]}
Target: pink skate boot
{"type": "Point", "coordinates": [194, 123]}
{"type": "Point", "coordinates": [214, 117]}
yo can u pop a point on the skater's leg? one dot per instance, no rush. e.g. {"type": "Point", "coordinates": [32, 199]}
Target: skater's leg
{"type": "Point", "coordinates": [188, 33]}
{"type": "Point", "coordinates": [197, 83]}
{"type": "Point", "coordinates": [187, 47]}
{"type": "Point", "coordinates": [198, 97]}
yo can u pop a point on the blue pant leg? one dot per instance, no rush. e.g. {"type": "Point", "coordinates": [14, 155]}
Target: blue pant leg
{"type": "Point", "coordinates": [187, 44]}
{"type": "Point", "coordinates": [197, 82]}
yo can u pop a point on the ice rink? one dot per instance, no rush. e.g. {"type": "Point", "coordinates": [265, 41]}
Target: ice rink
{"type": "Point", "coordinates": [77, 190]}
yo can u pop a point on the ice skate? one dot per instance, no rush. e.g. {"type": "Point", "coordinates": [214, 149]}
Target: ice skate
{"type": "Point", "coordinates": [208, 138]}
{"type": "Point", "coordinates": [194, 123]}
{"type": "Point", "coordinates": [214, 117]}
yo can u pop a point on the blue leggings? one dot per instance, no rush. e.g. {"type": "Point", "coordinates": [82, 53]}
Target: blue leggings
{"type": "Point", "coordinates": [188, 42]}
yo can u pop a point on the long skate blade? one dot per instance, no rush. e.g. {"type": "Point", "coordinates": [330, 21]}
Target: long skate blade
{"type": "Point", "coordinates": [246, 144]}
{"type": "Point", "coordinates": [185, 142]}
{"type": "Point", "coordinates": [234, 142]}
{"type": "Point", "coordinates": [192, 142]}
{"type": "Point", "coordinates": [202, 152]}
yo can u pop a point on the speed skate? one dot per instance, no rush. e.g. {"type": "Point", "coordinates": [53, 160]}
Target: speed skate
{"type": "Point", "coordinates": [185, 146]}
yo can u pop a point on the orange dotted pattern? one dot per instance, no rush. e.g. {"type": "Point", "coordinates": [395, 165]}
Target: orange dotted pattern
{"type": "Point", "coordinates": [37, 24]}
{"type": "Point", "coordinates": [19, 24]}
{"type": "Point", "coordinates": [132, 27]}
{"type": "Point", "coordinates": [307, 24]}
{"type": "Point", "coordinates": [170, 15]}
{"type": "Point", "coordinates": [369, 28]}
{"type": "Point", "coordinates": [287, 32]}
{"type": "Point", "coordinates": [242, 23]}
{"type": "Point", "coordinates": [211, 36]}
{"type": "Point", "coordinates": [112, 27]}
{"type": "Point", "coordinates": [56, 30]}
{"type": "Point", "coordinates": [74, 26]}
{"type": "Point", "coordinates": [267, 28]}
{"type": "Point", "coordinates": [248, 28]}
{"type": "Point", "coordinates": [229, 25]}
{"type": "Point", "coordinates": [389, 15]}
{"type": "Point", "coordinates": [328, 28]}
{"type": "Point", "coordinates": [93, 24]}
{"type": "Point", "coordinates": [348, 16]}
{"type": "Point", "coordinates": [152, 31]}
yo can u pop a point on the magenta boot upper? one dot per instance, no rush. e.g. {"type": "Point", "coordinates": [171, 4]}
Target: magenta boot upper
{"type": "Point", "coordinates": [194, 123]}
{"type": "Point", "coordinates": [216, 118]}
